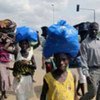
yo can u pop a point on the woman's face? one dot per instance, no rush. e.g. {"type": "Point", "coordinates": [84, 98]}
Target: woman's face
{"type": "Point", "coordinates": [62, 61]}
{"type": "Point", "coordinates": [24, 45]}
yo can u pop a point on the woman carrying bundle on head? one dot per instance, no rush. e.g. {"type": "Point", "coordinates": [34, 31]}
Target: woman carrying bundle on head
{"type": "Point", "coordinates": [23, 70]}
{"type": "Point", "coordinates": [62, 44]}
{"type": "Point", "coordinates": [24, 65]}
{"type": "Point", "coordinates": [5, 43]}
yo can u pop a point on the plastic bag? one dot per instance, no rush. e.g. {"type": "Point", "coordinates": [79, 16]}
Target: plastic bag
{"type": "Point", "coordinates": [62, 37]}
{"type": "Point", "coordinates": [25, 33]}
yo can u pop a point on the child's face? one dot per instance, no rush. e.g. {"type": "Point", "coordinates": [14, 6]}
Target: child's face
{"type": "Point", "coordinates": [61, 61]}
{"type": "Point", "coordinates": [24, 45]}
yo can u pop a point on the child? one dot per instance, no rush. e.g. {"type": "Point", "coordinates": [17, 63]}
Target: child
{"type": "Point", "coordinates": [60, 83]}
{"type": "Point", "coordinates": [23, 72]}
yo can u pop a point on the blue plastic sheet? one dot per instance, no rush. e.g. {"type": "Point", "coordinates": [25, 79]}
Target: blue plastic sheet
{"type": "Point", "coordinates": [25, 33]}
{"type": "Point", "coordinates": [62, 37]}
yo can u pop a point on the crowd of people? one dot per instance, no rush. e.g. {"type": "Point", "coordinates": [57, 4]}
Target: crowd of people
{"type": "Point", "coordinates": [59, 83]}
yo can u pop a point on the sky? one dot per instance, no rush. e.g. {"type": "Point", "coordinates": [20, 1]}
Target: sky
{"type": "Point", "coordinates": [38, 13]}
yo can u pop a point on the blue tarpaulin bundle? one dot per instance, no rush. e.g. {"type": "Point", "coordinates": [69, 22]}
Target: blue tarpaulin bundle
{"type": "Point", "coordinates": [62, 37]}
{"type": "Point", "coordinates": [25, 33]}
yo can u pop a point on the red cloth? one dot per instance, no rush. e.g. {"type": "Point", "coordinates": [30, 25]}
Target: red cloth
{"type": "Point", "coordinates": [48, 67]}
{"type": "Point", "coordinates": [4, 55]}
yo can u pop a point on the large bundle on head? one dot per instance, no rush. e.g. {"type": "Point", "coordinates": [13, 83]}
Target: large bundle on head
{"type": "Point", "coordinates": [7, 26]}
{"type": "Point", "coordinates": [62, 37]}
{"type": "Point", "coordinates": [26, 33]}
{"type": "Point", "coordinates": [83, 29]}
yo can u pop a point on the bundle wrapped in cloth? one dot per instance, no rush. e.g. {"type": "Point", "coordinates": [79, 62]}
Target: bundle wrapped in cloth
{"type": "Point", "coordinates": [62, 37]}
{"type": "Point", "coordinates": [26, 33]}
{"type": "Point", "coordinates": [7, 26]}
{"type": "Point", "coordinates": [22, 68]}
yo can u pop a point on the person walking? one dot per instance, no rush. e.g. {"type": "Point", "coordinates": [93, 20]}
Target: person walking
{"type": "Point", "coordinates": [5, 43]}
{"type": "Point", "coordinates": [60, 83]}
{"type": "Point", "coordinates": [47, 64]}
{"type": "Point", "coordinates": [83, 31]}
{"type": "Point", "coordinates": [23, 70]}
{"type": "Point", "coordinates": [24, 65]}
{"type": "Point", "coordinates": [90, 61]}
